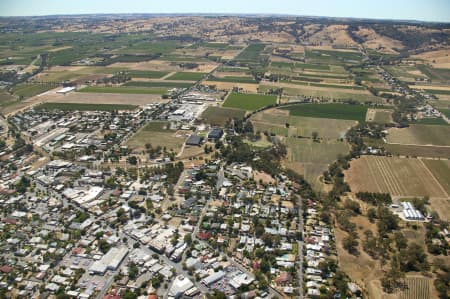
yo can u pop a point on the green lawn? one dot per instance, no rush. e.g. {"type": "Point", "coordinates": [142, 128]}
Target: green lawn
{"type": "Point", "coordinates": [249, 102]}
{"type": "Point", "coordinates": [85, 107]}
{"type": "Point", "coordinates": [187, 76]}
{"type": "Point", "coordinates": [333, 111]}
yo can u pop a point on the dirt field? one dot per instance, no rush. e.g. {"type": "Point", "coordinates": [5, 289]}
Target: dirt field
{"type": "Point", "coordinates": [397, 176]}
{"type": "Point", "coordinates": [420, 135]}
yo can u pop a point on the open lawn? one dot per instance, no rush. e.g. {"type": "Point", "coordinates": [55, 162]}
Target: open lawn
{"type": "Point", "coordinates": [220, 115]}
{"type": "Point", "coordinates": [156, 134]}
{"type": "Point", "coordinates": [333, 111]}
{"type": "Point", "coordinates": [420, 135]}
{"type": "Point", "coordinates": [397, 176]}
{"type": "Point", "coordinates": [187, 76]}
{"type": "Point", "coordinates": [124, 90]}
{"type": "Point", "coordinates": [249, 102]}
{"type": "Point", "coordinates": [84, 107]}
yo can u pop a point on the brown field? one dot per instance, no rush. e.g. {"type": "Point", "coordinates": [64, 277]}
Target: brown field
{"type": "Point", "coordinates": [378, 42]}
{"type": "Point", "coordinates": [438, 59]}
{"type": "Point", "coordinates": [397, 176]}
{"type": "Point", "coordinates": [436, 87]}
{"type": "Point", "coordinates": [379, 115]}
{"type": "Point", "coordinates": [248, 87]}
{"type": "Point", "coordinates": [420, 135]}
{"type": "Point", "coordinates": [418, 150]}
{"type": "Point", "coordinates": [442, 207]}
{"type": "Point", "coordinates": [84, 98]}
{"type": "Point", "coordinates": [332, 35]}
{"type": "Point", "coordinates": [163, 65]}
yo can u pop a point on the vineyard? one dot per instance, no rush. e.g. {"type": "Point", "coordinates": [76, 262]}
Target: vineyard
{"type": "Point", "coordinates": [418, 288]}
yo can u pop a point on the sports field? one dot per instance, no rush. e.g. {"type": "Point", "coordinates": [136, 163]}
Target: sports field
{"type": "Point", "coordinates": [249, 102]}
{"type": "Point", "coordinates": [397, 176]}
{"type": "Point", "coordinates": [333, 111]}
{"type": "Point", "coordinates": [420, 135]}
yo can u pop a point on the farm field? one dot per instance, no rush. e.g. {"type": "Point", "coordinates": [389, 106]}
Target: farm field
{"type": "Point", "coordinates": [249, 102]}
{"type": "Point", "coordinates": [158, 84]}
{"type": "Point", "coordinates": [239, 79]}
{"type": "Point", "coordinates": [275, 120]}
{"type": "Point", "coordinates": [398, 176]}
{"type": "Point", "coordinates": [186, 76]}
{"type": "Point", "coordinates": [442, 170]}
{"type": "Point", "coordinates": [147, 74]}
{"type": "Point", "coordinates": [320, 92]}
{"type": "Point", "coordinates": [418, 150]}
{"type": "Point", "coordinates": [84, 107]}
{"type": "Point", "coordinates": [311, 159]}
{"type": "Point", "coordinates": [123, 90]}
{"type": "Point", "coordinates": [30, 90]}
{"type": "Point", "coordinates": [418, 288]}
{"type": "Point", "coordinates": [381, 116]}
{"type": "Point", "coordinates": [420, 135]}
{"type": "Point", "coordinates": [156, 133]}
{"type": "Point", "coordinates": [220, 115]}
{"type": "Point", "coordinates": [333, 111]}
{"type": "Point", "coordinates": [227, 86]}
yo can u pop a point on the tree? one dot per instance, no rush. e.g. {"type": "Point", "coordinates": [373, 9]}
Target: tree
{"type": "Point", "coordinates": [188, 238]}
{"type": "Point", "coordinates": [349, 244]}
{"type": "Point", "coordinates": [314, 135]}
{"type": "Point", "coordinates": [132, 160]}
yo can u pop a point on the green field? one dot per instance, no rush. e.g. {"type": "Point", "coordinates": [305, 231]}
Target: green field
{"type": "Point", "coordinates": [220, 115]}
{"type": "Point", "coordinates": [333, 111]}
{"type": "Point", "coordinates": [249, 102]}
{"type": "Point", "coordinates": [430, 121]}
{"type": "Point", "coordinates": [187, 76]}
{"type": "Point", "coordinates": [435, 74]}
{"type": "Point", "coordinates": [162, 84]}
{"type": "Point", "coordinates": [237, 79]}
{"type": "Point", "coordinates": [84, 107]}
{"type": "Point", "coordinates": [251, 53]}
{"type": "Point", "coordinates": [30, 90]}
{"type": "Point", "coordinates": [124, 90]}
{"type": "Point", "coordinates": [147, 74]}
{"type": "Point", "coordinates": [446, 112]}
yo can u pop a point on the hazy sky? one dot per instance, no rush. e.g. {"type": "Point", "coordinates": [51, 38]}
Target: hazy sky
{"type": "Point", "coordinates": [426, 10]}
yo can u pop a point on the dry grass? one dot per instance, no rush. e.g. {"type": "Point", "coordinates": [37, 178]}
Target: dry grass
{"type": "Point", "coordinates": [378, 42]}
{"type": "Point", "coordinates": [420, 135]}
{"type": "Point", "coordinates": [397, 176]}
{"type": "Point", "coordinates": [247, 87]}
{"type": "Point", "coordinates": [438, 58]}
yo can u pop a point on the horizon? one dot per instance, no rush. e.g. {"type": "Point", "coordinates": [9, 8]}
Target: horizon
{"type": "Point", "coordinates": [413, 11]}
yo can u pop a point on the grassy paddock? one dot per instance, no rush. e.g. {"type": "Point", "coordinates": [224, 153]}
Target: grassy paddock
{"type": "Point", "coordinates": [249, 102]}
{"type": "Point", "coordinates": [187, 76]}
{"type": "Point", "coordinates": [219, 115]}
